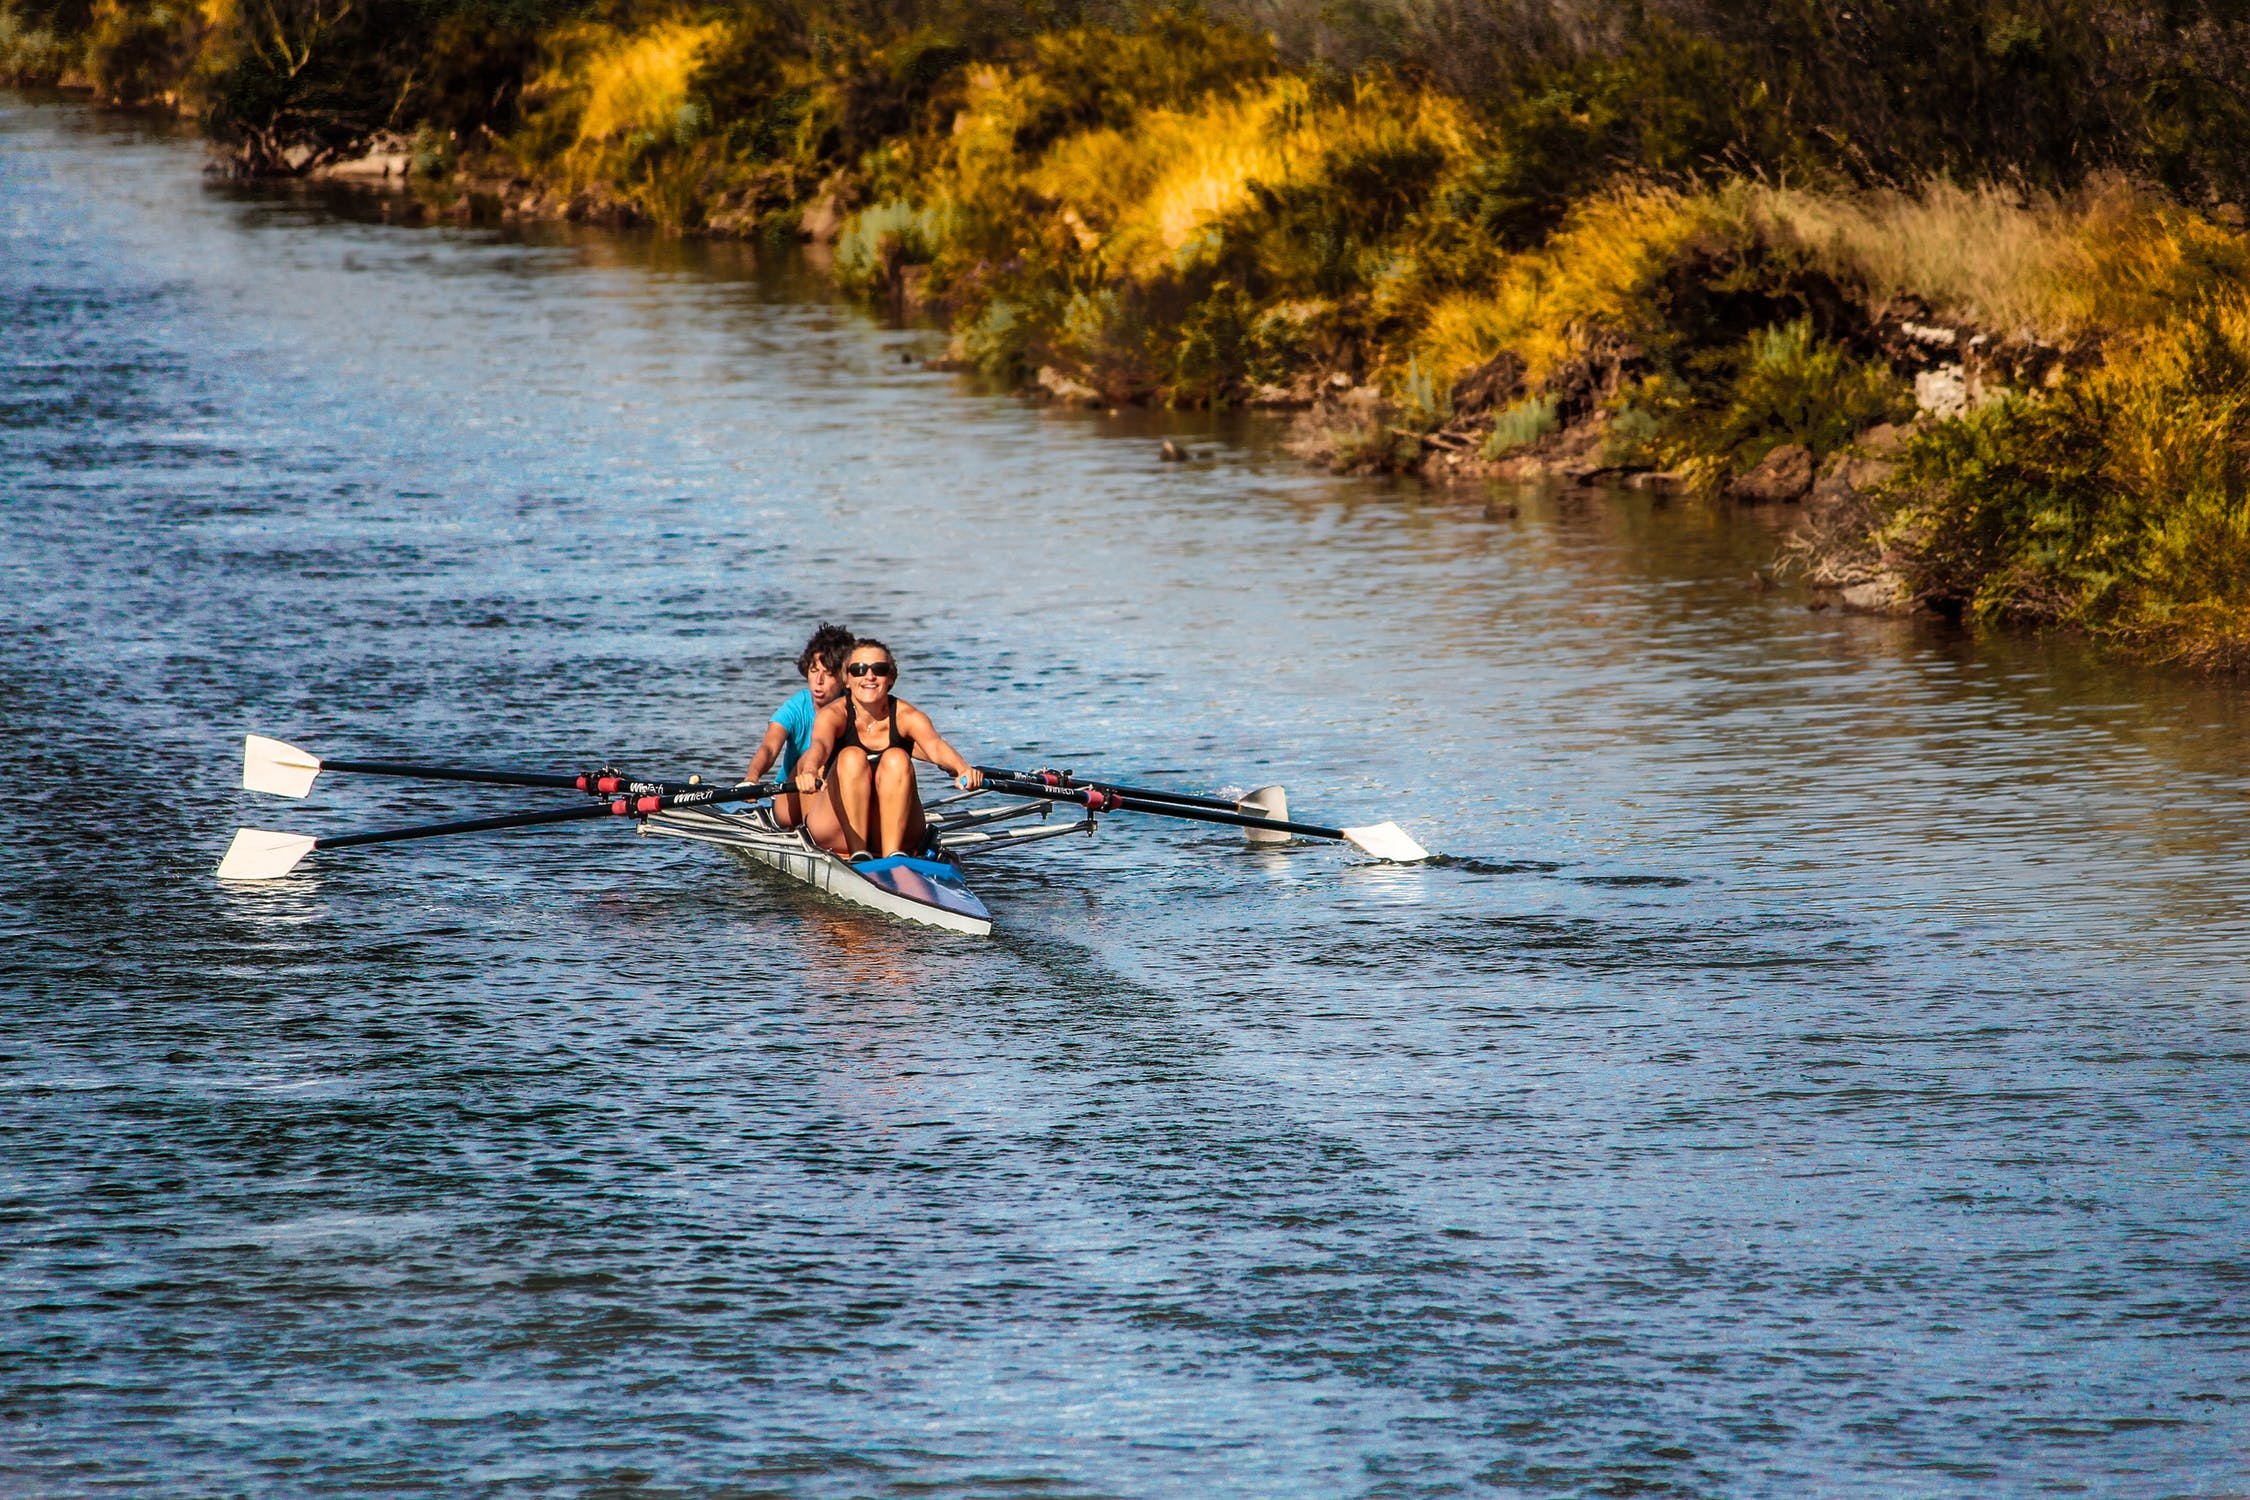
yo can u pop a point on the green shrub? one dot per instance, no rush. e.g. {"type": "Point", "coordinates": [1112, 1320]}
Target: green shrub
{"type": "Point", "coordinates": [433, 154]}
{"type": "Point", "coordinates": [1634, 436]}
{"type": "Point", "coordinates": [38, 47]}
{"type": "Point", "coordinates": [1290, 340]}
{"type": "Point", "coordinates": [1328, 228]}
{"type": "Point", "coordinates": [1791, 387]}
{"type": "Point", "coordinates": [1673, 103]}
{"type": "Point", "coordinates": [1211, 355]}
{"type": "Point", "coordinates": [1089, 78]}
{"type": "Point", "coordinates": [2120, 502]}
{"type": "Point", "coordinates": [996, 342]}
{"type": "Point", "coordinates": [1104, 336]}
{"type": "Point", "coordinates": [139, 54]}
{"type": "Point", "coordinates": [1423, 404]}
{"type": "Point", "coordinates": [1521, 425]}
{"type": "Point", "coordinates": [2003, 501]}
{"type": "Point", "coordinates": [1718, 411]}
{"type": "Point", "coordinates": [894, 233]}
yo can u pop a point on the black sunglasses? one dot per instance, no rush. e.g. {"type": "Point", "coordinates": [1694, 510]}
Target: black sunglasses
{"type": "Point", "coordinates": [871, 669]}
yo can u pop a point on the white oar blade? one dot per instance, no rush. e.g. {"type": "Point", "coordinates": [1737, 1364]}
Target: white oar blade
{"type": "Point", "coordinates": [1387, 841]}
{"type": "Point", "coordinates": [271, 766]}
{"type": "Point", "coordinates": [258, 854]}
{"type": "Point", "coordinates": [1266, 802]}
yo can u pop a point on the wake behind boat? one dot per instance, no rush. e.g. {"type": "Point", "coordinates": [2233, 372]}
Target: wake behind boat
{"type": "Point", "coordinates": [929, 888]}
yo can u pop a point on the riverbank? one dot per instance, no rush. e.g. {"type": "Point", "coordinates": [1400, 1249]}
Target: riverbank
{"type": "Point", "coordinates": [2008, 381]}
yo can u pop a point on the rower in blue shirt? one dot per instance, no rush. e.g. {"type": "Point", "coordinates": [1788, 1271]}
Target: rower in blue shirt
{"type": "Point", "coordinates": [790, 732]}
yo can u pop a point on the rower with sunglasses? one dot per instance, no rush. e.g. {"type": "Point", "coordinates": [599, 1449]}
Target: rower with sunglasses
{"type": "Point", "coordinates": [870, 740]}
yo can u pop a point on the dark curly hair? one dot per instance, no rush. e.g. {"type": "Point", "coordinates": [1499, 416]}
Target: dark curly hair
{"type": "Point", "coordinates": [829, 646]}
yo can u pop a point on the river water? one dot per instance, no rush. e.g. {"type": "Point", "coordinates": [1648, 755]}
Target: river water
{"type": "Point", "coordinates": [1818, 1067]}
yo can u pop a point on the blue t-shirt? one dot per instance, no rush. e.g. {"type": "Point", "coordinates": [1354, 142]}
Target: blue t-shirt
{"type": "Point", "coordinates": [796, 719]}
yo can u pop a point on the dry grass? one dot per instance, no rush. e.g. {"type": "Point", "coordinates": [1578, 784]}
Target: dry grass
{"type": "Point", "coordinates": [2103, 264]}
{"type": "Point", "coordinates": [2026, 264]}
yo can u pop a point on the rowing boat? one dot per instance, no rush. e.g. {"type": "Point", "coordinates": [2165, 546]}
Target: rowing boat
{"type": "Point", "coordinates": [932, 891]}
{"type": "Point", "coordinates": [928, 887]}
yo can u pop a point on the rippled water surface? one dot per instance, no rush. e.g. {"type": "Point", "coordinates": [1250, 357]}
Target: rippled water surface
{"type": "Point", "coordinates": [1819, 1067]}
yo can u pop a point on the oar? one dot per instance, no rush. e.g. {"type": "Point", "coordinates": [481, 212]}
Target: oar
{"type": "Point", "coordinates": [261, 854]}
{"type": "Point", "coordinates": [1250, 801]}
{"type": "Point", "coordinates": [269, 765]}
{"type": "Point", "coordinates": [1264, 801]}
{"type": "Point", "coordinates": [1386, 841]}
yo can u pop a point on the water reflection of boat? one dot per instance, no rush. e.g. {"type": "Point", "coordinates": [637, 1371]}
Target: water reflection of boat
{"type": "Point", "coordinates": [930, 890]}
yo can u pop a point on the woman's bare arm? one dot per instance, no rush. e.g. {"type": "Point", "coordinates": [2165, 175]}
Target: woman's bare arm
{"type": "Point", "coordinates": [934, 747]}
{"type": "Point", "coordinates": [769, 751]}
{"type": "Point", "coordinates": [826, 725]}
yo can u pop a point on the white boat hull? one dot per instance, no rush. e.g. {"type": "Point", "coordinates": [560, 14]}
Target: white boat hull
{"type": "Point", "coordinates": [926, 891]}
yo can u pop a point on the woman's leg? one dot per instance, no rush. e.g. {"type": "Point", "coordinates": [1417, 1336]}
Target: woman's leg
{"type": "Point", "coordinates": [787, 810]}
{"type": "Point", "coordinates": [851, 783]}
{"type": "Point", "coordinates": [898, 803]}
{"type": "Point", "coordinates": [822, 825]}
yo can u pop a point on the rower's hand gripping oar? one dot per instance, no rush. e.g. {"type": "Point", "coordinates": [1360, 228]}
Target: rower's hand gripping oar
{"type": "Point", "coordinates": [261, 854]}
{"type": "Point", "coordinates": [1386, 841]}
{"type": "Point", "coordinates": [269, 765]}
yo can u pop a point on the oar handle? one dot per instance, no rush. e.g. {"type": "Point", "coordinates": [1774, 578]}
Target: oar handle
{"type": "Point", "coordinates": [1105, 799]}
{"type": "Point", "coordinates": [1146, 794]}
{"type": "Point", "coordinates": [622, 807]}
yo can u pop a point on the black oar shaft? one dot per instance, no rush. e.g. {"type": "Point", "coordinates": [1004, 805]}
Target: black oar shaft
{"type": "Point", "coordinates": [597, 782]}
{"type": "Point", "coordinates": [624, 807]}
{"type": "Point", "coordinates": [1104, 799]}
{"type": "Point", "coordinates": [457, 773]}
{"type": "Point", "coordinates": [465, 825]}
{"type": "Point", "coordinates": [1148, 794]}
{"type": "Point", "coordinates": [1229, 819]}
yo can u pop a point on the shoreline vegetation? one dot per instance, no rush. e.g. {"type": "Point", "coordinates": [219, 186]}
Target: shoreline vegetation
{"type": "Point", "coordinates": [1966, 281]}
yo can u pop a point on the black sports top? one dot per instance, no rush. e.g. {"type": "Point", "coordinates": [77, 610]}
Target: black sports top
{"type": "Point", "coordinates": [851, 733]}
